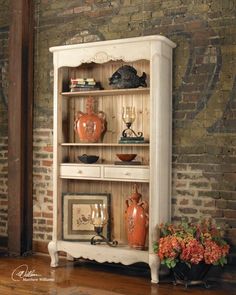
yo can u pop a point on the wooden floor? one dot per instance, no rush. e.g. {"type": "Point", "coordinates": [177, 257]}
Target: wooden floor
{"type": "Point", "coordinates": [33, 275]}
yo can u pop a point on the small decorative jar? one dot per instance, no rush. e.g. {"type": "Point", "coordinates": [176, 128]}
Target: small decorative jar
{"type": "Point", "coordinates": [136, 220]}
{"type": "Point", "coordinates": [90, 126]}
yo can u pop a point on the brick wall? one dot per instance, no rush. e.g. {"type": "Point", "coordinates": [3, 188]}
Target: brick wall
{"type": "Point", "coordinates": [204, 87]}
{"type": "Point", "coordinates": [204, 103]}
{"type": "Point", "coordinates": [4, 34]}
{"type": "Point", "coordinates": [204, 94]}
{"type": "Point", "coordinates": [42, 184]}
{"type": "Point", "coordinates": [3, 187]}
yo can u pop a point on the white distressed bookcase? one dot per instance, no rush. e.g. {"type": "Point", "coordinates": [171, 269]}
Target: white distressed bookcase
{"type": "Point", "coordinates": [149, 54]}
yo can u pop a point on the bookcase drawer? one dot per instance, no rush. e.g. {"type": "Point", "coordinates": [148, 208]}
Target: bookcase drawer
{"type": "Point", "coordinates": [127, 173]}
{"type": "Point", "coordinates": [79, 171]}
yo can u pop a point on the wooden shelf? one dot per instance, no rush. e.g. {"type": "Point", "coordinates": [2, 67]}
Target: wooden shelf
{"type": "Point", "coordinates": [120, 246]}
{"type": "Point", "coordinates": [107, 164]}
{"type": "Point", "coordinates": [107, 92]}
{"type": "Point", "coordinates": [105, 144]}
{"type": "Point", "coordinates": [103, 253]}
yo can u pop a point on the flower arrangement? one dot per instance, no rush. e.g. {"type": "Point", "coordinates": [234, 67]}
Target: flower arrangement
{"type": "Point", "coordinates": [191, 243]}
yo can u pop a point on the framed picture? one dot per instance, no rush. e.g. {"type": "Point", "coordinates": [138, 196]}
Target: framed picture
{"type": "Point", "coordinates": [76, 221]}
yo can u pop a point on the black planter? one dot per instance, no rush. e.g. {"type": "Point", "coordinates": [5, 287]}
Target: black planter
{"type": "Point", "coordinates": [193, 275]}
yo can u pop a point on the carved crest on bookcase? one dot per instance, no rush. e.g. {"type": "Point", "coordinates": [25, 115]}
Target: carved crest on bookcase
{"type": "Point", "coordinates": [102, 57]}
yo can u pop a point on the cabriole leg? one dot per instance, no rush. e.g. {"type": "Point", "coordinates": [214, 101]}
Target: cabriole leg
{"type": "Point", "coordinates": [52, 249]}
{"type": "Point", "coordinates": [154, 264]}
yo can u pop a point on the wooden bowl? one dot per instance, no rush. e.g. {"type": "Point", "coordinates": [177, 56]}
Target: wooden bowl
{"type": "Point", "coordinates": [126, 157]}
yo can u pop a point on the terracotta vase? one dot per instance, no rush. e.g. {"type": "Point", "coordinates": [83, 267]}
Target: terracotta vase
{"type": "Point", "coordinates": [136, 220]}
{"type": "Point", "coordinates": [90, 126]}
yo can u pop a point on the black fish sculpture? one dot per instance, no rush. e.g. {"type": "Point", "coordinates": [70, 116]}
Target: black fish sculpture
{"type": "Point", "coordinates": [126, 77]}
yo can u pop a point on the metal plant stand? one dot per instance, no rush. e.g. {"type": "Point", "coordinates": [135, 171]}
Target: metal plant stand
{"type": "Point", "coordinates": [189, 276]}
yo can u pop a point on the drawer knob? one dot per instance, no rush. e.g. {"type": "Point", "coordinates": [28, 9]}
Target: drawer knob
{"type": "Point", "coordinates": [127, 173]}
{"type": "Point", "coordinates": [80, 172]}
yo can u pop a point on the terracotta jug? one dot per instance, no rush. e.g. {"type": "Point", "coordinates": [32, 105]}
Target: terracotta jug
{"type": "Point", "coordinates": [90, 126]}
{"type": "Point", "coordinates": [136, 220]}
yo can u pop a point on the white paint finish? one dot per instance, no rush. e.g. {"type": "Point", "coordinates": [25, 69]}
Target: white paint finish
{"type": "Point", "coordinates": [110, 144]}
{"type": "Point", "coordinates": [80, 171]}
{"type": "Point", "coordinates": [105, 172]}
{"type": "Point", "coordinates": [136, 41]}
{"type": "Point", "coordinates": [53, 252]}
{"type": "Point", "coordinates": [126, 173]}
{"type": "Point", "coordinates": [158, 50]}
{"type": "Point", "coordinates": [107, 92]}
{"type": "Point", "coordinates": [103, 253]}
{"type": "Point", "coordinates": [101, 52]}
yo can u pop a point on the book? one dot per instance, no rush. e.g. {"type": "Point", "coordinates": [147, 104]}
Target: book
{"type": "Point", "coordinates": [86, 87]}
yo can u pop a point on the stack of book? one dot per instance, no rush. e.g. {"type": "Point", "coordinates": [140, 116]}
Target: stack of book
{"type": "Point", "coordinates": [84, 84]}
